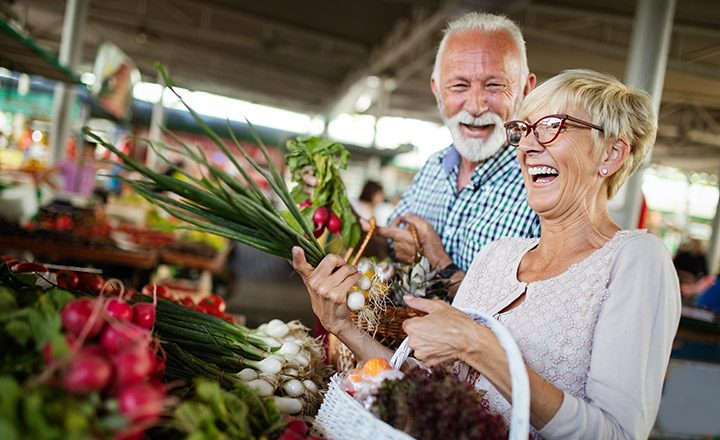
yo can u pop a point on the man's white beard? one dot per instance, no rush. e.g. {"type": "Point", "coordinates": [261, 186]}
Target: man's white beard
{"type": "Point", "coordinates": [475, 149]}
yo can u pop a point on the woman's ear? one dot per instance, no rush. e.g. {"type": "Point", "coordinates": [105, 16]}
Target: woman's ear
{"type": "Point", "coordinates": [614, 157]}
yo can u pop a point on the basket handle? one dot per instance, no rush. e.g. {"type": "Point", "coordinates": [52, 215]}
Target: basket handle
{"type": "Point", "coordinates": [520, 414]}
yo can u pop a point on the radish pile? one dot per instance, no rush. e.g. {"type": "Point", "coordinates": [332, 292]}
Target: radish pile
{"type": "Point", "coordinates": [110, 350]}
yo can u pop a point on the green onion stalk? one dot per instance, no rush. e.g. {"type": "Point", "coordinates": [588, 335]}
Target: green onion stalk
{"type": "Point", "coordinates": [219, 203]}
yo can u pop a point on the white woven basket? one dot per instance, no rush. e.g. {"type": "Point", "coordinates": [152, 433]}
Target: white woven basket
{"type": "Point", "coordinates": [341, 417]}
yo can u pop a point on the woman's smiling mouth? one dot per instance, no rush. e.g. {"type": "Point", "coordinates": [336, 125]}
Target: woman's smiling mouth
{"type": "Point", "coordinates": [542, 174]}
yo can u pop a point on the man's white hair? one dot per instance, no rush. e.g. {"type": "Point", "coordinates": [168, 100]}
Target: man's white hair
{"type": "Point", "coordinates": [477, 21]}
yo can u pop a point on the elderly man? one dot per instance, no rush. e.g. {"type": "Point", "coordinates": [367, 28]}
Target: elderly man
{"type": "Point", "coordinates": [470, 193]}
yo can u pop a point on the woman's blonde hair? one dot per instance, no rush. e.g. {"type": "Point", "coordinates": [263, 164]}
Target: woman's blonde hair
{"type": "Point", "coordinates": [622, 111]}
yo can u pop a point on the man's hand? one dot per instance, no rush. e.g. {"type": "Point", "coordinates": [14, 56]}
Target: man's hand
{"type": "Point", "coordinates": [328, 285]}
{"type": "Point", "coordinates": [309, 180]}
{"type": "Point", "coordinates": [404, 244]}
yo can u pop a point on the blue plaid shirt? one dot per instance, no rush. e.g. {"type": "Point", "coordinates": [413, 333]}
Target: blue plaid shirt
{"type": "Point", "coordinates": [493, 205]}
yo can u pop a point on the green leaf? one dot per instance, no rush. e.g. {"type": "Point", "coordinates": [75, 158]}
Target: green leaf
{"type": "Point", "coordinates": [18, 330]}
{"type": "Point", "coordinates": [7, 300]}
{"type": "Point", "coordinates": [60, 297]}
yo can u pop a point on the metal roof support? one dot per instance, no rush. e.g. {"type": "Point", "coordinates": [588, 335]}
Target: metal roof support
{"type": "Point", "coordinates": [157, 121]}
{"type": "Point", "coordinates": [70, 52]}
{"type": "Point", "coordinates": [645, 69]}
{"type": "Point", "coordinates": [713, 257]}
{"type": "Point", "coordinates": [405, 38]}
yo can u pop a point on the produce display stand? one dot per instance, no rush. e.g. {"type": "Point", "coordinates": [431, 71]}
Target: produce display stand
{"type": "Point", "coordinates": [70, 252]}
{"type": "Point", "coordinates": [215, 264]}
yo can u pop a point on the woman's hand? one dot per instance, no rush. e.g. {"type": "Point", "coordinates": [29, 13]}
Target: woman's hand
{"type": "Point", "coordinates": [446, 334]}
{"type": "Point", "coordinates": [328, 285]}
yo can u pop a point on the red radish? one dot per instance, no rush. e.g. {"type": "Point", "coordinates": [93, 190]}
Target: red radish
{"type": "Point", "coordinates": [150, 289]}
{"type": "Point", "coordinates": [132, 434]}
{"type": "Point", "coordinates": [144, 315]}
{"type": "Point", "coordinates": [290, 435]}
{"type": "Point", "coordinates": [6, 258]}
{"type": "Point", "coordinates": [334, 224]}
{"type": "Point", "coordinates": [304, 204]}
{"type": "Point", "coordinates": [129, 293]}
{"type": "Point", "coordinates": [120, 337]}
{"type": "Point", "coordinates": [214, 304]}
{"type": "Point", "coordinates": [119, 309]}
{"type": "Point", "coordinates": [87, 373]}
{"type": "Point", "coordinates": [320, 217]}
{"type": "Point", "coordinates": [228, 317]}
{"type": "Point", "coordinates": [11, 262]}
{"type": "Point", "coordinates": [76, 315]}
{"type": "Point", "coordinates": [93, 349]}
{"type": "Point", "coordinates": [27, 267]}
{"type": "Point", "coordinates": [67, 279]}
{"type": "Point", "coordinates": [141, 402]}
{"type": "Point", "coordinates": [91, 283]}
{"type": "Point", "coordinates": [132, 366]}
{"type": "Point", "coordinates": [318, 231]}
{"type": "Point", "coordinates": [298, 427]}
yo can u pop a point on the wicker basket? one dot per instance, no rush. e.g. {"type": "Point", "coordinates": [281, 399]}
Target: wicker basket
{"type": "Point", "coordinates": [388, 332]}
{"type": "Point", "coordinates": [342, 417]}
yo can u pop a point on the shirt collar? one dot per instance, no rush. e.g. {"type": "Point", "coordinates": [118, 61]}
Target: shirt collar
{"type": "Point", "coordinates": [450, 162]}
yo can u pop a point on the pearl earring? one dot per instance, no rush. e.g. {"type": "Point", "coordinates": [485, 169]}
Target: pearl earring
{"type": "Point", "coordinates": [604, 171]}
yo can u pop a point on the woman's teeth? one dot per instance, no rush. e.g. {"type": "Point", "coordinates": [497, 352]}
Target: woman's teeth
{"type": "Point", "coordinates": [534, 171]}
{"type": "Point", "coordinates": [542, 174]}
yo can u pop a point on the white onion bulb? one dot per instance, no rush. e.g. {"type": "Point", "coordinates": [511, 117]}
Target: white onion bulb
{"type": "Point", "coordinates": [289, 349]}
{"type": "Point", "coordinates": [261, 387]}
{"type": "Point", "coordinates": [364, 283]}
{"type": "Point", "coordinates": [247, 374]}
{"type": "Point", "coordinates": [277, 329]}
{"type": "Point", "coordinates": [364, 265]}
{"type": "Point", "coordinates": [355, 301]}
{"type": "Point", "coordinates": [288, 405]}
{"type": "Point", "coordinates": [293, 388]}
{"type": "Point", "coordinates": [310, 385]}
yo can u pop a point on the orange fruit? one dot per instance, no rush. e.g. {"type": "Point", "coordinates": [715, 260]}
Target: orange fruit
{"type": "Point", "coordinates": [375, 366]}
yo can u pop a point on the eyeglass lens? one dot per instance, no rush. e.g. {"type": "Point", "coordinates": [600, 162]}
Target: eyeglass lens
{"type": "Point", "coordinates": [545, 130]}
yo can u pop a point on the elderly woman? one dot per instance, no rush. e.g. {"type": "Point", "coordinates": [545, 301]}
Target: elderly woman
{"type": "Point", "coordinates": [593, 308]}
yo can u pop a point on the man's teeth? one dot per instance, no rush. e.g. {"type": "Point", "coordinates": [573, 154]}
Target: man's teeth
{"type": "Point", "coordinates": [534, 171]}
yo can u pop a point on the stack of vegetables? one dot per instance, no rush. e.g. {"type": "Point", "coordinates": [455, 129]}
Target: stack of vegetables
{"type": "Point", "coordinates": [88, 366]}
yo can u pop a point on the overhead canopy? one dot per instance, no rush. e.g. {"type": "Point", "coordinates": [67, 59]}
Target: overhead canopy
{"type": "Point", "coordinates": [325, 56]}
{"type": "Point", "coordinates": [20, 53]}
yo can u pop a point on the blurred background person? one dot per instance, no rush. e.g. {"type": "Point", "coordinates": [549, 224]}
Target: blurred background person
{"type": "Point", "coordinates": [76, 174]}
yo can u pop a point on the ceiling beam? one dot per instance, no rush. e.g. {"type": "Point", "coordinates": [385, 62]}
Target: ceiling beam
{"type": "Point", "coordinates": [294, 31]}
{"type": "Point", "coordinates": [405, 37]}
{"type": "Point", "coordinates": [575, 42]}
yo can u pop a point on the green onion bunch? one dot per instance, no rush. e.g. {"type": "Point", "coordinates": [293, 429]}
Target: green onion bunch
{"type": "Point", "coordinates": [218, 203]}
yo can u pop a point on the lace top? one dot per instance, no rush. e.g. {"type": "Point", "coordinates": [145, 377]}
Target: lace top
{"type": "Point", "coordinates": [601, 331]}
